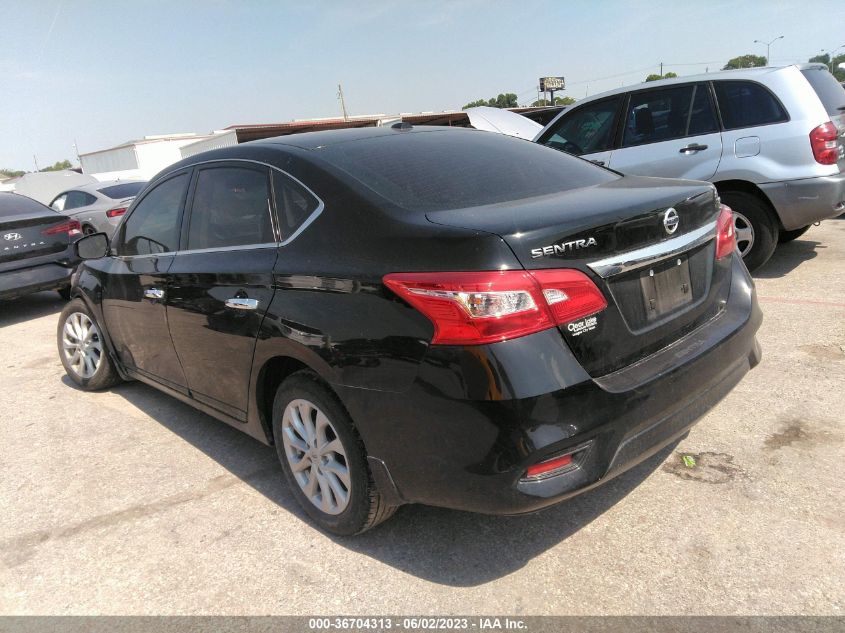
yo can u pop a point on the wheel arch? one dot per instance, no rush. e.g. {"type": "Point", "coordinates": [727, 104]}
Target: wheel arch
{"type": "Point", "coordinates": [743, 186]}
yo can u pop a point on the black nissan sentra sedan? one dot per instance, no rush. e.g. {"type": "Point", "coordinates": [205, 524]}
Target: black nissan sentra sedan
{"type": "Point", "coordinates": [438, 316]}
{"type": "Point", "coordinates": [36, 247]}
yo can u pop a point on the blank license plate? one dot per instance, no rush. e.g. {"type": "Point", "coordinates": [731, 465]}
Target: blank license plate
{"type": "Point", "coordinates": [666, 287]}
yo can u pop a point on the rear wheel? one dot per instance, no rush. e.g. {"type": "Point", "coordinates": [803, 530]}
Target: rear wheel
{"type": "Point", "coordinates": [82, 349]}
{"type": "Point", "coordinates": [87, 229]}
{"type": "Point", "coordinates": [756, 228]}
{"type": "Point", "coordinates": [788, 236]}
{"type": "Point", "coordinates": [324, 458]}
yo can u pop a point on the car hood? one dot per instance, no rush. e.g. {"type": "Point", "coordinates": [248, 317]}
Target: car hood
{"type": "Point", "coordinates": [503, 122]}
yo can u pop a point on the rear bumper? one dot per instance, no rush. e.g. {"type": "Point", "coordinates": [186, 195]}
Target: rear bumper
{"type": "Point", "coordinates": [464, 434]}
{"type": "Point", "coordinates": [24, 281]}
{"type": "Point", "coordinates": [799, 203]}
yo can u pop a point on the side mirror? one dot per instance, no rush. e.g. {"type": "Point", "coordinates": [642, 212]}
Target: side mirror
{"type": "Point", "coordinates": [92, 246]}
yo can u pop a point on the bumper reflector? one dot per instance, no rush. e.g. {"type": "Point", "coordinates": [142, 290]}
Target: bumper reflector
{"type": "Point", "coordinates": [556, 465]}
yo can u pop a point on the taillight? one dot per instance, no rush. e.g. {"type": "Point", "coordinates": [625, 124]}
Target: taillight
{"type": "Point", "coordinates": [725, 233]}
{"type": "Point", "coordinates": [823, 140]}
{"type": "Point", "coordinates": [71, 227]}
{"type": "Point", "coordinates": [473, 308]}
{"type": "Point", "coordinates": [115, 213]}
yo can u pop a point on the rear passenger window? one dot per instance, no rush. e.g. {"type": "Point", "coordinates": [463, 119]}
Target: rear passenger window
{"type": "Point", "coordinates": [657, 115]}
{"type": "Point", "coordinates": [231, 208]}
{"type": "Point", "coordinates": [746, 104]}
{"type": "Point", "coordinates": [77, 199]}
{"type": "Point", "coordinates": [702, 120]}
{"type": "Point", "coordinates": [294, 204]}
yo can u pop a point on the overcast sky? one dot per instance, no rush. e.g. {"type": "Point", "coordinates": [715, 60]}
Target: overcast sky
{"type": "Point", "coordinates": [104, 72]}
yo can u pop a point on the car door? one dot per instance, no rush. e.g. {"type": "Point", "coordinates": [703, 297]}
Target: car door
{"type": "Point", "coordinates": [587, 131]}
{"type": "Point", "coordinates": [222, 281]}
{"type": "Point", "coordinates": [135, 283]}
{"type": "Point", "coordinates": [671, 132]}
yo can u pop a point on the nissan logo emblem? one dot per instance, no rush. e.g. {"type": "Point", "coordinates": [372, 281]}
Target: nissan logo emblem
{"type": "Point", "coordinates": [12, 237]}
{"type": "Point", "coordinates": [671, 220]}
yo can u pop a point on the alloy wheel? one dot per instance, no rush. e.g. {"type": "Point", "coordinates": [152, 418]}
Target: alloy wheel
{"type": "Point", "coordinates": [316, 456]}
{"type": "Point", "coordinates": [744, 234]}
{"type": "Point", "coordinates": [82, 344]}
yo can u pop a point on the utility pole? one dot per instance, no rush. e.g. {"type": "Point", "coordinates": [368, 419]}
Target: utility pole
{"type": "Point", "coordinates": [342, 102]}
{"type": "Point", "coordinates": [661, 69]}
{"type": "Point", "coordinates": [35, 160]}
{"type": "Point", "coordinates": [768, 47]}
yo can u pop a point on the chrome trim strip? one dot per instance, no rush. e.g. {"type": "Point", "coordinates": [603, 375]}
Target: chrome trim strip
{"type": "Point", "coordinates": [624, 262]}
{"type": "Point", "coordinates": [314, 214]}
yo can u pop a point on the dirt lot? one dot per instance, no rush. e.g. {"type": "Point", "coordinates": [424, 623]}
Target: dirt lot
{"type": "Point", "coordinates": [128, 501]}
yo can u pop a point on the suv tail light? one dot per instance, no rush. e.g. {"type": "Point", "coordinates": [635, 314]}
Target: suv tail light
{"type": "Point", "coordinates": [823, 140]}
{"type": "Point", "coordinates": [725, 233]}
{"type": "Point", "coordinates": [473, 308]}
{"type": "Point", "coordinates": [114, 213]}
{"type": "Point", "coordinates": [71, 227]}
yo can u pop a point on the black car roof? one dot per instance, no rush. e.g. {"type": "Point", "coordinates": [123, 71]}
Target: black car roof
{"type": "Point", "coordinates": [315, 140]}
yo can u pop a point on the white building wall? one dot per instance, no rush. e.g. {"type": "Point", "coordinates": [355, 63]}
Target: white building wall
{"type": "Point", "coordinates": [141, 160]}
{"type": "Point", "coordinates": [112, 160]}
{"type": "Point", "coordinates": [218, 141]}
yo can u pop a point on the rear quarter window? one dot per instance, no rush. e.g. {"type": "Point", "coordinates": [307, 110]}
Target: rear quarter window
{"type": "Point", "coordinates": [747, 104]}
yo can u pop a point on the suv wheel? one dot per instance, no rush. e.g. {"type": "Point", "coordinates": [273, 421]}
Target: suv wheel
{"type": "Point", "coordinates": [788, 236]}
{"type": "Point", "coordinates": [756, 229]}
{"type": "Point", "coordinates": [82, 349]}
{"type": "Point", "coordinates": [324, 459]}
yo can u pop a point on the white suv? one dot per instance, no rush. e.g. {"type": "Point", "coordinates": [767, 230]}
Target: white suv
{"type": "Point", "coordinates": [770, 139]}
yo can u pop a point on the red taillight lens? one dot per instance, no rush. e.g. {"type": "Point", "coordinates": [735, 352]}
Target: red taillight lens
{"type": "Point", "coordinates": [71, 227]}
{"type": "Point", "coordinates": [544, 468]}
{"type": "Point", "coordinates": [725, 233]}
{"type": "Point", "coordinates": [114, 213]}
{"type": "Point", "coordinates": [486, 307]}
{"type": "Point", "coordinates": [823, 140]}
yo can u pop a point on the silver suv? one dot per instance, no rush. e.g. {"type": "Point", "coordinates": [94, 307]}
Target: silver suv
{"type": "Point", "coordinates": [770, 139]}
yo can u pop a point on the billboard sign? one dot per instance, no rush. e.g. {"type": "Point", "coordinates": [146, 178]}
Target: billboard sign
{"type": "Point", "coordinates": [551, 83]}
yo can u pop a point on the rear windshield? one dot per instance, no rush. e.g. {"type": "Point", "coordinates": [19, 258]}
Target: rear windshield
{"type": "Point", "coordinates": [12, 204]}
{"type": "Point", "coordinates": [830, 92]}
{"type": "Point", "coordinates": [123, 190]}
{"type": "Point", "coordinates": [430, 171]}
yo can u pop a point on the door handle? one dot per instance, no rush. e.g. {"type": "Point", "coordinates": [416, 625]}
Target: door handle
{"type": "Point", "coordinates": [692, 147]}
{"type": "Point", "coordinates": [153, 293]}
{"type": "Point", "coordinates": [240, 303]}
{"type": "Point", "coordinates": [598, 162]}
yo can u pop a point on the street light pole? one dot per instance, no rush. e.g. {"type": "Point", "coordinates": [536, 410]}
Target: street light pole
{"type": "Point", "coordinates": [832, 55]}
{"type": "Point", "coordinates": [768, 47]}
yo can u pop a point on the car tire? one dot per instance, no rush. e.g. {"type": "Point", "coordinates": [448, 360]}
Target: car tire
{"type": "Point", "coordinates": [87, 229]}
{"type": "Point", "coordinates": [322, 456]}
{"type": "Point", "coordinates": [64, 292]}
{"type": "Point", "coordinates": [756, 228]}
{"type": "Point", "coordinates": [788, 236]}
{"type": "Point", "coordinates": [82, 348]}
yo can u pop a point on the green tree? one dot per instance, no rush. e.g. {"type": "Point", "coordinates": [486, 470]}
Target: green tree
{"type": "Point", "coordinates": [745, 61]}
{"type": "Point", "coordinates": [506, 100]}
{"type": "Point", "coordinates": [559, 101]}
{"type": "Point", "coordinates": [656, 77]}
{"type": "Point", "coordinates": [832, 64]}
{"type": "Point", "coordinates": [59, 166]}
{"type": "Point", "coordinates": [11, 173]}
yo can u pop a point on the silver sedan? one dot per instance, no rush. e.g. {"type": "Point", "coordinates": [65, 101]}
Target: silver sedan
{"type": "Point", "coordinates": [98, 206]}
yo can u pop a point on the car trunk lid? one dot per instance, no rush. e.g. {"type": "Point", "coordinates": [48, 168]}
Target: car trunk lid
{"type": "Point", "coordinates": [25, 235]}
{"type": "Point", "coordinates": [647, 243]}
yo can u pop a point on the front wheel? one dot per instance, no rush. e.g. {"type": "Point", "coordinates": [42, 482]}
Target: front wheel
{"type": "Point", "coordinates": [324, 458]}
{"type": "Point", "coordinates": [82, 349]}
{"type": "Point", "coordinates": [756, 228]}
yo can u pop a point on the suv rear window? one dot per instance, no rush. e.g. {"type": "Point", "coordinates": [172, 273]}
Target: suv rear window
{"type": "Point", "coordinates": [746, 104]}
{"type": "Point", "coordinates": [123, 190]}
{"type": "Point", "coordinates": [830, 92]}
{"type": "Point", "coordinates": [439, 170]}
